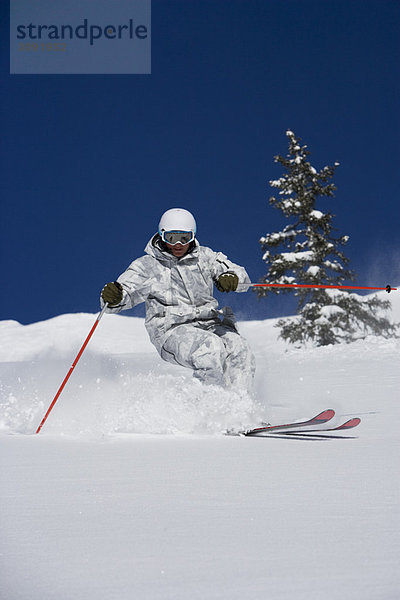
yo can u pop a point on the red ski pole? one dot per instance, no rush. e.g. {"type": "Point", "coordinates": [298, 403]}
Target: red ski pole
{"type": "Point", "coordinates": [85, 343]}
{"type": "Point", "coordinates": [388, 288]}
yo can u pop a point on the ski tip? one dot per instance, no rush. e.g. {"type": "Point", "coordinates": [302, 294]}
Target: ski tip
{"type": "Point", "coordinates": [350, 424]}
{"type": "Point", "coordinates": [325, 415]}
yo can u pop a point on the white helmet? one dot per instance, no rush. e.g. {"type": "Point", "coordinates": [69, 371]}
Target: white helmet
{"type": "Point", "coordinates": [177, 219]}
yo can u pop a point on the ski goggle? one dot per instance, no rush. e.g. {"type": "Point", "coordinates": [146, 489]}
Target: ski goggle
{"type": "Point", "coordinates": [177, 237]}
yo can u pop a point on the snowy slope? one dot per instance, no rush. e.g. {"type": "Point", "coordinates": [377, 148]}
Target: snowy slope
{"type": "Point", "coordinates": [130, 490]}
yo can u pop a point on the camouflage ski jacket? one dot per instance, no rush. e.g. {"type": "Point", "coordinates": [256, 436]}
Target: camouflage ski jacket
{"type": "Point", "coordinates": [175, 291]}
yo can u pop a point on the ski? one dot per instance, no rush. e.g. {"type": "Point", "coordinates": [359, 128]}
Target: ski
{"type": "Point", "coordinates": [320, 419]}
{"type": "Point", "coordinates": [350, 424]}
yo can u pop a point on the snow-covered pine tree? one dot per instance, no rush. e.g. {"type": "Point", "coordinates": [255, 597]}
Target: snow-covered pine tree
{"type": "Point", "coordinates": [306, 252]}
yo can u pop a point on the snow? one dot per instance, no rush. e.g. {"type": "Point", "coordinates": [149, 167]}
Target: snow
{"type": "Point", "coordinates": [131, 491]}
{"type": "Point", "coordinates": [277, 237]}
{"type": "Point", "coordinates": [335, 266]}
{"type": "Point", "coordinates": [327, 312]}
{"type": "Point", "coordinates": [297, 256]}
{"type": "Point", "coordinates": [313, 270]}
{"type": "Point", "coordinates": [277, 182]}
{"type": "Point", "coordinates": [316, 214]}
{"type": "Point", "coordinates": [331, 311]}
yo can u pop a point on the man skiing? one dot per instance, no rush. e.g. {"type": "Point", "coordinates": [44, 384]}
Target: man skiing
{"type": "Point", "coordinates": [175, 279]}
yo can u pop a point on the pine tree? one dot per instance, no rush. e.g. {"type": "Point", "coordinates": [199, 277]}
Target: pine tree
{"type": "Point", "coordinates": [307, 252]}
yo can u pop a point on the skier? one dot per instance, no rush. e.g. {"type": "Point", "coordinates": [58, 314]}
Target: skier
{"type": "Point", "coordinates": [175, 279]}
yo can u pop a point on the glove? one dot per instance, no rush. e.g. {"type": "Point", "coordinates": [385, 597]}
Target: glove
{"type": "Point", "coordinates": [112, 293]}
{"type": "Point", "coordinates": [227, 282]}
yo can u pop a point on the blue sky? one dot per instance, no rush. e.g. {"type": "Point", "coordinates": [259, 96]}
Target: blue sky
{"type": "Point", "coordinates": [90, 162]}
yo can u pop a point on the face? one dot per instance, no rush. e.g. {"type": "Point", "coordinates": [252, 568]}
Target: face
{"type": "Point", "coordinates": [178, 250]}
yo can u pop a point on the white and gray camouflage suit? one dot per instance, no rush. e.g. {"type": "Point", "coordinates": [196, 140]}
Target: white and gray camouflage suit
{"type": "Point", "coordinates": [182, 317]}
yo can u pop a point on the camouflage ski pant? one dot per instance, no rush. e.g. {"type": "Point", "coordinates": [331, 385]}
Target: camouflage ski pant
{"type": "Point", "coordinates": [216, 353]}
